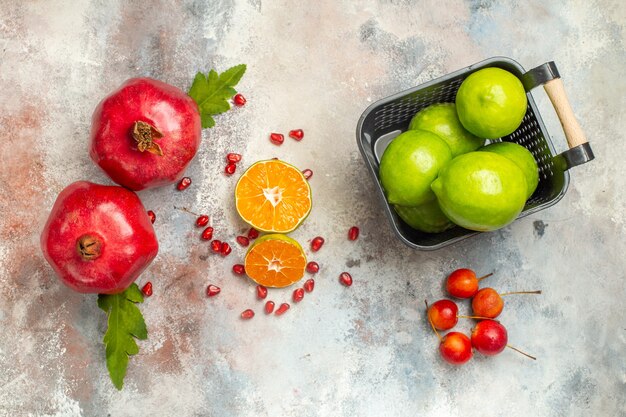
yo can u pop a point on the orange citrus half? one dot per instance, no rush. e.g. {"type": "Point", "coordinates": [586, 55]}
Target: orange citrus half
{"type": "Point", "coordinates": [273, 196]}
{"type": "Point", "coordinates": [275, 261]}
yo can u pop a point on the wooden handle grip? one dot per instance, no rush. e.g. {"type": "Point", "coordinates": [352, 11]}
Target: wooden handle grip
{"type": "Point", "coordinates": [573, 132]}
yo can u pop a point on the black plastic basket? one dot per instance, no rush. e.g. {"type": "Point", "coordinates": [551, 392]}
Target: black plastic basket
{"type": "Point", "coordinates": [387, 118]}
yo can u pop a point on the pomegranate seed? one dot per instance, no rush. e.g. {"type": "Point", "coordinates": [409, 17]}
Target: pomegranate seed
{"type": "Point", "coordinates": [253, 233]}
{"type": "Point", "coordinates": [233, 157]}
{"type": "Point", "coordinates": [261, 292]}
{"type": "Point", "coordinates": [296, 134]}
{"type": "Point", "coordinates": [239, 100]}
{"type": "Point", "coordinates": [346, 279]}
{"type": "Point", "coordinates": [147, 289]}
{"type": "Point", "coordinates": [230, 168]}
{"type": "Point", "coordinates": [312, 267]}
{"type": "Point", "coordinates": [212, 290]}
{"type": "Point", "coordinates": [269, 307]}
{"type": "Point", "coordinates": [353, 233]}
{"type": "Point", "coordinates": [184, 184]}
{"type": "Point", "coordinates": [317, 243]}
{"type": "Point", "coordinates": [225, 249]}
{"type": "Point", "coordinates": [202, 220]}
{"type": "Point", "coordinates": [207, 234]}
{"type": "Point", "coordinates": [247, 314]}
{"type": "Point", "coordinates": [309, 285]}
{"type": "Point", "coordinates": [277, 138]}
{"type": "Point", "coordinates": [216, 246]}
{"type": "Point", "coordinates": [281, 310]}
{"type": "Point", "coordinates": [152, 216]}
{"type": "Point", "coordinates": [243, 241]}
{"type": "Point", "coordinates": [298, 295]}
{"type": "Point", "coordinates": [239, 269]}
{"type": "Point", "coordinates": [307, 173]}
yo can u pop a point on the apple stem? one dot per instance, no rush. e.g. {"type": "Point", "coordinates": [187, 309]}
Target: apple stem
{"type": "Point", "coordinates": [186, 210]}
{"type": "Point", "coordinates": [485, 276]}
{"type": "Point", "coordinates": [475, 317]}
{"type": "Point", "coordinates": [431, 323]}
{"type": "Point", "coordinates": [520, 292]}
{"type": "Point", "coordinates": [523, 353]}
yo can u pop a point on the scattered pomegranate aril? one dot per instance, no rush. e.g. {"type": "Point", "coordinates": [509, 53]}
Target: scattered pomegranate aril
{"type": "Point", "coordinates": [253, 233]}
{"type": "Point", "coordinates": [247, 314]}
{"type": "Point", "coordinates": [183, 184]}
{"type": "Point", "coordinates": [216, 246]}
{"type": "Point", "coordinates": [147, 289]}
{"type": "Point", "coordinates": [243, 241]}
{"type": "Point", "coordinates": [269, 307]}
{"type": "Point", "coordinates": [353, 233]}
{"type": "Point", "coordinates": [312, 267]}
{"type": "Point", "coordinates": [316, 243]}
{"type": "Point", "coordinates": [152, 216]}
{"type": "Point", "coordinates": [230, 168]}
{"type": "Point", "coordinates": [239, 100]}
{"type": "Point", "coordinates": [233, 157]}
{"type": "Point", "coordinates": [202, 220]}
{"type": "Point", "coordinates": [309, 285]}
{"type": "Point", "coordinates": [298, 295]}
{"type": "Point", "coordinates": [225, 249]}
{"type": "Point", "coordinates": [346, 279]}
{"type": "Point", "coordinates": [207, 234]}
{"type": "Point", "coordinates": [296, 134]}
{"type": "Point", "coordinates": [261, 292]}
{"type": "Point", "coordinates": [307, 173]}
{"type": "Point", "coordinates": [277, 138]}
{"type": "Point", "coordinates": [281, 310]}
{"type": "Point", "coordinates": [239, 269]}
{"type": "Point", "coordinates": [212, 290]}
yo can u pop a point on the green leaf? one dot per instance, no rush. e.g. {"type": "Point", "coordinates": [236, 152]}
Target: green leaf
{"type": "Point", "coordinates": [212, 91]}
{"type": "Point", "coordinates": [125, 323]}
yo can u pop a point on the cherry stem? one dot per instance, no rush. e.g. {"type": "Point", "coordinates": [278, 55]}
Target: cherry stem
{"type": "Point", "coordinates": [520, 292]}
{"type": "Point", "coordinates": [431, 323]}
{"type": "Point", "coordinates": [186, 210]}
{"type": "Point", "coordinates": [523, 353]}
{"type": "Point", "coordinates": [474, 317]}
{"type": "Point", "coordinates": [485, 276]}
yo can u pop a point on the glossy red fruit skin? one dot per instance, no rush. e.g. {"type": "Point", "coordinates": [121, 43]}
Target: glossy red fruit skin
{"type": "Point", "coordinates": [239, 100]}
{"type": "Point", "coordinates": [253, 233]}
{"type": "Point", "coordinates": [239, 269]}
{"type": "Point", "coordinates": [147, 289]}
{"type": "Point", "coordinates": [169, 109]}
{"type": "Point", "coordinates": [456, 348]}
{"type": "Point", "coordinates": [152, 216]}
{"type": "Point", "coordinates": [216, 246]}
{"type": "Point", "coordinates": [261, 292]}
{"type": "Point", "coordinates": [202, 220]}
{"type": "Point", "coordinates": [298, 295]}
{"type": "Point", "coordinates": [117, 220]}
{"type": "Point", "coordinates": [296, 134]}
{"type": "Point", "coordinates": [462, 283]}
{"type": "Point", "coordinates": [225, 249]}
{"type": "Point", "coordinates": [353, 233]}
{"type": "Point", "coordinates": [309, 285]}
{"type": "Point", "coordinates": [183, 184]}
{"type": "Point", "coordinates": [277, 138]}
{"type": "Point", "coordinates": [269, 307]}
{"type": "Point", "coordinates": [443, 314]}
{"type": "Point", "coordinates": [207, 234]}
{"type": "Point", "coordinates": [230, 168]}
{"type": "Point", "coordinates": [307, 173]}
{"type": "Point", "coordinates": [487, 303]}
{"type": "Point", "coordinates": [243, 241]}
{"type": "Point", "coordinates": [282, 309]}
{"type": "Point", "coordinates": [489, 337]}
{"type": "Point", "coordinates": [317, 243]}
{"type": "Point", "coordinates": [312, 267]}
{"type": "Point", "coordinates": [233, 157]}
{"type": "Point", "coordinates": [346, 279]}
{"type": "Point", "coordinates": [212, 290]}
{"type": "Point", "coordinates": [247, 314]}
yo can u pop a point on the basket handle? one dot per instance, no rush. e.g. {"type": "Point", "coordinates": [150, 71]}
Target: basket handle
{"type": "Point", "coordinates": [573, 132]}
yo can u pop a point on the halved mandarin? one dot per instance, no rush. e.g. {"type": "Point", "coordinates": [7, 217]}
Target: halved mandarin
{"type": "Point", "coordinates": [273, 196]}
{"type": "Point", "coordinates": [275, 261]}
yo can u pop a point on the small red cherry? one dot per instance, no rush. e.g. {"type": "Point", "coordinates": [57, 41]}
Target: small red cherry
{"type": "Point", "coordinates": [455, 348]}
{"type": "Point", "coordinates": [309, 285]}
{"type": "Point", "coordinates": [207, 234]}
{"type": "Point", "coordinates": [147, 289]}
{"type": "Point", "coordinates": [239, 100]}
{"type": "Point", "coordinates": [296, 134]}
{"type": "Point", "coordinates": [443, 314]}
{"type": "Point", "coordinates": [261, 292]}
{"type": "Point", "coordinates": [317, 243]}
{"type": "Point", "coordinates": [312, 267]}
{"type": "Point", "coordinates": [346, 279]}
{"type": "Point", "coordinates": [281, 310]}
{"type": "Point", "coordinates": [184, 183]}
{"type": "Point", "coordinates": [463, 283]}
{"type": "Point", "coordinates": [277, 138]}
{"type": "Point", "coordinates": [225, 249]}
{"type": "Point", "coordinates": [243, 241]}
{"type": "Point", "coordinates": [202, 220]}
{"type": "Point", "coordinates": [298, 295]}
{"type": "Point", "coordinates": [216, 246]}
{"type": "Point", "coordinates": [233, 157]}
{"type": "Point", "coordinates": [230, 168]}
{"type": "Point", "coordinates": [212, 290]}
{"type": "Point", "coordinates": [353, 233]}
{"type": "Point", "coordinates": [253, 233]}
{"type": "Point", "coordinates": [239, 269]}
{"type": "Point", "coordinates": [307, 173]}
{"type": "Point", "coordinates": [152, 216]}
{"type": "Point", "coordinates": [269, 307]}
{"type": "Point", "coordinates": [247, 314]}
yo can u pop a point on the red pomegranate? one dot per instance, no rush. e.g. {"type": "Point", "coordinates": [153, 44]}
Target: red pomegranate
{"type": "Point", "coordinates": [145, 134]}
{"type": "Point", "coordinates": [98, 238]}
